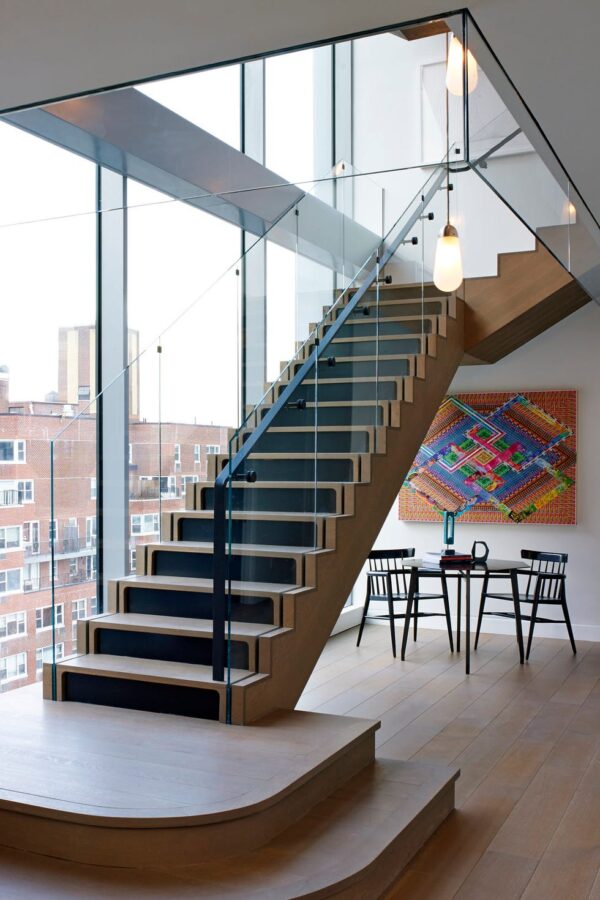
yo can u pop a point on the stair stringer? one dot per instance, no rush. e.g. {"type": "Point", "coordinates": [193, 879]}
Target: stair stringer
{"type": "Point", "coordinates": [311, 614]}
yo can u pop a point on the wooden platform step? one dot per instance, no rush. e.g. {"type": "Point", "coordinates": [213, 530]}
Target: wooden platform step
{"type": "Point", "coordinates": [353, 846]}
{"type": "Point", "coordinates": [159, 806]}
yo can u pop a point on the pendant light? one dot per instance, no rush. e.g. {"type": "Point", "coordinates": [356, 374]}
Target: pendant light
{"type": "Point", "coordinates": [454, 69]}
{"type": "Point", "coordinates": [447, 267]}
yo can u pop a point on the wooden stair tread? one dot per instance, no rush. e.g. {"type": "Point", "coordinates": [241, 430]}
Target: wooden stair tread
{"type": "Point", "coordinates": [241, 549]}
{"type": "Point", "coordinates": [177, 625]}
{"type": "Point", "coordinates": [159, 670]}
{"type": "Point", "coordinates": [205, 585]}
{"type": "Point", "coordinates": [259, 516]}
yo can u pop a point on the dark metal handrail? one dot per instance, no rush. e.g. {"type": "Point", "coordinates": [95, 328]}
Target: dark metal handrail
{"type": "Point", "coordinates": [223, 479]}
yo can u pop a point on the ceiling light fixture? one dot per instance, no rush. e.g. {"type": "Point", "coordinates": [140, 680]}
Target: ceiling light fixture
{"type": "Point", "coordinates": [454, 69]}
{"type": "Point", "coordinates": [447, 267]}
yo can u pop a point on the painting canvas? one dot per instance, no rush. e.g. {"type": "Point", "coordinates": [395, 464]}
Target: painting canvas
{"type": "Point", "coordinates": [497, 457]}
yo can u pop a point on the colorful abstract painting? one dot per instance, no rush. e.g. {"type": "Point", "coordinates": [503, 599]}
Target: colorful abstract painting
{"type": "Point", "coordinates": [497, 457]}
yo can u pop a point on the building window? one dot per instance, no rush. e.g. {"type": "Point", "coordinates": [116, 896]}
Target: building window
{"type": "Point", "coordinates": [92, 488]}
{"type": "Point", "coordinates": [77, 612]}
{"type": "Point", "coordinates": [44, 655]}
{"type": "Point", "coordinates": [12, 451]}
{"type": "Point", "coordinates": [84, 392]}
{"type": "Point", "coordinates": [213, 449]}
{"type": "Point", "coordinates": [10, 581]}
{"type": "Point", "coordinates": [197, 453]}
{"type": "Point", "coordinates": [93, 606]}
{"type": "Point", "coordinates": [91, 570]}
{"type": "Point", "coordinates": [25, 489]}
{"type": "Point", "coordinates": [132, 560]}
{"type": "Point", "coordinates": [13, 624]}
{"type": "Point", "coordinates": [31, 577]}
{"type": "Point", "coordinates": [52, 529]}
{"type": "Point", "coordinates": [43, 617]}
{"type": "Point", "coordinates": [177, 456]}
{"type": "Point", "coordinates": [90, 531]}
{"type": "Point", "coordinates": [145, 524]}
{"type": "Point", "coordinates": [13, 667]}
{"type": "Point", "coordinates": [9, 493]}
{"type": "Point", "coordinates": [10, 537]}
{"type": "Point", "coordinates": [31, 536]}
{"type": "Point", "coordinates": [168, 486]}
{"type": "Point", "coordinates": [189, 479]}
{"type": "Point", "coordinates": [73, 570]}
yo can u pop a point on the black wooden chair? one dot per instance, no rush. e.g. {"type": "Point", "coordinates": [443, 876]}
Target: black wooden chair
{"type": "Point", "coordinates": [545, 586]}
{"type": "Point", "coordinates": [387, 582]}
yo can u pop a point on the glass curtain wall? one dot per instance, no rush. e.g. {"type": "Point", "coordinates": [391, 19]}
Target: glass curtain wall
{"type": "Point", "coordinates": [47, 375]}
{"type": "Point", "coordinates": [188, 391]}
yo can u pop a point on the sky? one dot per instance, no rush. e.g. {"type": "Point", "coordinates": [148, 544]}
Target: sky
{"type": "Point", "coordinates": [178, 257]}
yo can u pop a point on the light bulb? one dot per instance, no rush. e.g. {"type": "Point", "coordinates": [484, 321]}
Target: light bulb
{"type": "Point", "coordinates": [447, 268]}
{"type": "Point", "coordinates": [454, 72]}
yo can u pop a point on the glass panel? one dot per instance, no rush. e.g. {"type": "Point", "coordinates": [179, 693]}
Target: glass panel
{"type": "Point", "coordinates": [510, 153]}
{"type": "Point", "coordinates": [47, 374]}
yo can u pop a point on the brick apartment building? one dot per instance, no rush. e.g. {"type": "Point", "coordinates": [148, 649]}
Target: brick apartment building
{"type": "Point", "coordinates": [26, 529]}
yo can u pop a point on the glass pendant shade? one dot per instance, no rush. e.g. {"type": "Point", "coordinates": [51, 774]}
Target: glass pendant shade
{"type": "Point", "coordinates": [454, 72]}
{"type": "Point", "coordinates": [447, 268]}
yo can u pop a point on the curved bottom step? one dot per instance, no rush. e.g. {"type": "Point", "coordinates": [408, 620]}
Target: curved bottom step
{"type": "Point", "coordinates": [352, 845]}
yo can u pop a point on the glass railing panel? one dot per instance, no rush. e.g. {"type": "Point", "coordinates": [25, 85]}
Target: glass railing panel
{"type": "Point", "coordinates": [511, 154]}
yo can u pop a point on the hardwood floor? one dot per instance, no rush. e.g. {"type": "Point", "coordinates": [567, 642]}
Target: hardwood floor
{"type": "Point", "coordinates": [527, 740]}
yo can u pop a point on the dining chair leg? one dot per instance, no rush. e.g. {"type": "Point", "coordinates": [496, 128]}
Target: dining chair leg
{"type": "Point", "coordinates": [447, 609]}
{"type": "Point", "coordinates": [364, 616]}
{"type": "Point", "coordinates": [392, 624]}
{"type": "Point", "coordinates": [416, 619]}
{"type": "Point", "coordinates": [563, 603]}
{"type": "Point", "coordinates": [534, 612]}
{"type": "Point", "coordinates": [481, 608]}
{"type": "Point", "coordinates": [412, 588]}
{"type": "Point", "coordinates": [514, 580]}
{"type": "Point", "coordinates": [458, 610]}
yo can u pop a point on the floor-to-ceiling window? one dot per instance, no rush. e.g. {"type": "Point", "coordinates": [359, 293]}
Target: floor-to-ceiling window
{"type": "Point", "coordinates": [47, 375]}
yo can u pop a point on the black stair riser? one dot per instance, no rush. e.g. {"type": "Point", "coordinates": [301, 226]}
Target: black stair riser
{"type": "Point", "coordinates": [269, 570]}
{"type": "Point", "coordinates": [369, 326]}
{"type": "Point", "coordinates": [286, 469]}
{"type": "Point", "coordinates": [284, 534]}
{"type": "Point", "coordinates": [305, 442]}
{"type": "Point", "coordinates": [328, 415]}
{"type": "Point", "coordinates": [171, 647]}
{"type": "Point", "coordinates": [195, 605]}
{"type": "Point", "coordinates": [257, 499]}
{"type": "Point", "coordinates": [372, 347]}
{"type": "Point", "coordinates": [126, 693]}
{"type": "Point", "coordinates": [366, 368]}
{"type": "Point", "coordinates": [387, 309]}
{"type": "Point", "coordinates": [348, 390]}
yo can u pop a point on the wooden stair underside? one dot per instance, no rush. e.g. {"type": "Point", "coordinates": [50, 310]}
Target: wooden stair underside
{"type": "Point", "coordinates": [530, 293]}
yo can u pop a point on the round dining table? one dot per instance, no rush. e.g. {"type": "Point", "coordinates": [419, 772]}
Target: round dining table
{"type": "Point", "coordinates": [465, 571]}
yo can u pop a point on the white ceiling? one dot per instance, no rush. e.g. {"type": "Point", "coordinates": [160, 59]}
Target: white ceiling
{"type": "Point", "coordinates": [549, 47]}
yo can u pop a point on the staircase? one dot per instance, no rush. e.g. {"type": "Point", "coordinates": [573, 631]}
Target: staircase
{"type": "Point", "coordinates": [297, 546]}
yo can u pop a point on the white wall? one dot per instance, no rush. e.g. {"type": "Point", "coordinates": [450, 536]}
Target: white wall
{"type": "Point", "coordinates": [563, 357]}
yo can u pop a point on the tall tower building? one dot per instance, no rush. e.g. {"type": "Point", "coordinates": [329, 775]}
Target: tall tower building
{"type": "Point", "coordinates": [77, 366]}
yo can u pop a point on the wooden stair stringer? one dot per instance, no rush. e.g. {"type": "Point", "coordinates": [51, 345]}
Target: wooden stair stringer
{"type": "Point", "coordinates": [312, 615]}
{"type": "Point", "coordinates": [530, 293]}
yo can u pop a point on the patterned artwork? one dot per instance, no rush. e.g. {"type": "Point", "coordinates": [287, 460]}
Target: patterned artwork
{"type": "Point", "coordinates": [497, 457]}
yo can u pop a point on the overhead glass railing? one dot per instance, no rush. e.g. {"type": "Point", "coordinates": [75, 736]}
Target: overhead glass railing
{"type": "Point", "coordinates": [509, 151]}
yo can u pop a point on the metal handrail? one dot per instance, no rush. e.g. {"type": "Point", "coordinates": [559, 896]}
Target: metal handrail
{"type": "Point", "coordinates": [223, 479]}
